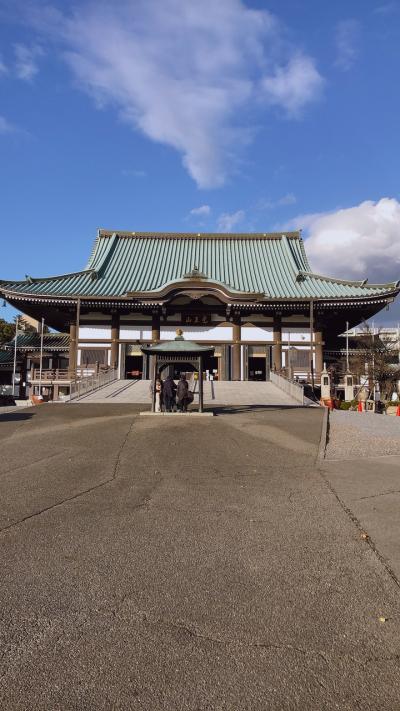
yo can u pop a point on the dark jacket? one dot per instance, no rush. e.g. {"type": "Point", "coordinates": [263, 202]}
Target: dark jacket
{"type": "Point", "coordinates": [182, 389]}
{"type": "Point", "coordinates": [169, 387]}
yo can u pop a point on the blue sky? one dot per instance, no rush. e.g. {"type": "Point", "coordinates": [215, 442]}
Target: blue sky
{"type": "Point", "coordinates": [188, 116]}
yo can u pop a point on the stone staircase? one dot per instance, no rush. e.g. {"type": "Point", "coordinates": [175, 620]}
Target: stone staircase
{"type": "Point", "coordinates": [215, 393]}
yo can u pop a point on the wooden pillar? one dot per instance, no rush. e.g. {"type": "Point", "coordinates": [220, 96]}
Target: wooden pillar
{"type": "Point", "coordinates": [73, 350]}
{"type": "Point", "coordinates": [114, 340]}
{"type": "Point", "coordinates": [312, 367]}
{"type": "Point", "coordinates": [200, 383]}
{"type": "Point", "coordinates": [221, 369]}
{"type": "Point", "coordinates": [222, 364]}
{"type": "Point", "coordinates": [153, 379]}
{"type": "Point", "coordinates": [23, 377]}
{"type": "Point", "coordinates": [155, 337]}
{"type": "Point", "coordinates": [277, 347]}
{"type": "Point", "coordinates": [236, 332]}
{"type": "Point", "coordinates": [155, 327]}
{"type": "Point", "coordinates": [319, 352]}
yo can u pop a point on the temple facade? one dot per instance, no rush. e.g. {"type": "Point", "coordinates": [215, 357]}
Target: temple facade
{"type": "Point", "coordinates": [253, 297]}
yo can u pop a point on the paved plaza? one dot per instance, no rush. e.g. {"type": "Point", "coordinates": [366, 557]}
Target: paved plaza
{"type": "Point", "coordinates": [222, 392]}
{"type": "Point", "coordinates": [190, 565]}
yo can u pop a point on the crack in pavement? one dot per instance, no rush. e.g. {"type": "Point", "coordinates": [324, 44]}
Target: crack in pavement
{"type": "Point", "coordinates": [80, 493]}
{"type": "Point", "coordinates": [381, 558]}
{"type": "Point", "coordinates": [375, 496]}
{"type": "Point", "coordinates": [34, 461]}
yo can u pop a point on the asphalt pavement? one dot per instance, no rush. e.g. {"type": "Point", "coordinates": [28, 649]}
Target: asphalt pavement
{"type": "Point", "coordinates": [182, 564]}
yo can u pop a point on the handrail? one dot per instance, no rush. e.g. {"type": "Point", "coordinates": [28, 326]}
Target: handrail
{"type": "Point", "coordinates": [51, 374]}
{"type": "Point", "coordinates": [295, 390]}
{"type": "Point", "coordinates": [82, 371]}
{"type": "Point", "coordinates": [85, 385]}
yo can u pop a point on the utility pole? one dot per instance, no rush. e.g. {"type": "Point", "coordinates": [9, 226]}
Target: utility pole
{"type": "Point", "coordinates": [15, 354]}
{"type": "Point", "coordinates": [41, 358]}
{"type": "Point", "coordinates": [312, 342]}
{"type": "Point", "coordinates": [347, 346]}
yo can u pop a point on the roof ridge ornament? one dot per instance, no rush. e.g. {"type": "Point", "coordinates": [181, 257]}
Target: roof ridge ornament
{"type": "Point", "coordinates": [195, 274]}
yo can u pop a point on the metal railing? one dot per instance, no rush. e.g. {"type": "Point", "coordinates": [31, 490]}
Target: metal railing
{"type": "Point", "coordinates": [51, 374]}
{"type": "Point", "coordinates": [82, 371]}
{"type": "Point", "coordinates": [88, 384]}
{"type": "Point", "coordinates": [295, 390]}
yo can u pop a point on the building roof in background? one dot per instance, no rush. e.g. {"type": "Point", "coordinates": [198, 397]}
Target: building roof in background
{"type": "Point", "coordinates": [31, 342]}
{"type": "Point", "coordinates": [273, 265]}
{"type": "Point", "coordinates": [6, 359]}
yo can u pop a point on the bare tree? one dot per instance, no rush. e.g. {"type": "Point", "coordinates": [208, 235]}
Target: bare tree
{"type": "Point", "coordinates": [376, 356]}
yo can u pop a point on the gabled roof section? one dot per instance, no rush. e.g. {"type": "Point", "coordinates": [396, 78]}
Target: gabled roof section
{"type": "Point", "coordinates": [270, 265]}
{"type": "Point", "coordinates": [31, 341]}
{"type": "Point", "coordinates": [7, 359]}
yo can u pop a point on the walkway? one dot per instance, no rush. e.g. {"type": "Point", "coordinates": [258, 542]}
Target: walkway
{"type": "Point", "coordinates": [153, 564]}
{"type": "Point", "coordinates": [215, 393]}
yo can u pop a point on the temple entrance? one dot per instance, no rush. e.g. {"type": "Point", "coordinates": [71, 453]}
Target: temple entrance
{"type": "Point", "coordinates": [133, 367]}
{"type": "Point", "coordinates": [257, 368]}
{"type": "Point", "coordinates": [258, 362]}
{"type": "Point", "coordinates": [175, 370]}
{"type": "Point", "coordinates": [211, 367]}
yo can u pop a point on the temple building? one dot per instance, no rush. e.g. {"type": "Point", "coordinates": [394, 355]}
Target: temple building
{"type": "Point", "coordinates": [253, 297]}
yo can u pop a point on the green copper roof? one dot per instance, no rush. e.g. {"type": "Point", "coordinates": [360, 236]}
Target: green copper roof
{"type": "Point", "coordinates": [6, 359]}
{"type": "Point", "coordinates": [178, 346]}
{"type": "Point", "coordinates": [30, 341]}
{"type": "Point", "coordinates": [274, 265]}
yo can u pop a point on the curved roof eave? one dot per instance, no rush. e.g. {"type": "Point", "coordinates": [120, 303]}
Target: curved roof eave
{"type": "Point", "coordinates": [392, 285]}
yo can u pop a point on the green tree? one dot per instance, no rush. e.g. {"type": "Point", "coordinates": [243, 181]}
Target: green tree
{"type": "Point", "coordinates": [7, 331]}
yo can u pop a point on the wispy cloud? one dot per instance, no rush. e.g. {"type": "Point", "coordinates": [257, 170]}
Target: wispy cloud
{"type": "Point", "coordinates": [6, 126]}
{"type": "Point", "coordinates": [186, 74]}
{"type": "Point", "coordinates": [347, 43]}
{"type": "Point", "coordinates": [284, 201]}
{"type": "Point", "coordinates": [133, 173]}
{"type": "Point", "coordinates": [3, 68]}
{"type": "Point", "coordinates": [227, 221]}
{"type": "Point", "coordinates": [386, 9]}
{"type": "Point", "coordinates": [26, 64]}
{"type": "Point", "coordinates": [202, 211]}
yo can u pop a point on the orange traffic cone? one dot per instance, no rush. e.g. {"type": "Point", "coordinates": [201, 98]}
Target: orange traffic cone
{"type": "Point", "coordinates": [398, 411]}
{"type": "Point", "coordinates": [359, 407]}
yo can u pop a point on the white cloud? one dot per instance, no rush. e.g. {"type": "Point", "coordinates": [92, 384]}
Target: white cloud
{"type": "Point", "coordinates": [186, 74]}
{"type": "Point", "coordinates": [294, 85]}
{"type": "Point", "coordinates": [6, 126]}
{"type": "Point", "coordinates": [357, 242]}
{"type": "Point", "coordinates": [346, 39]}
{"type": "Point", "coordinates": [227, 221]}
{"type": "Point", "coordinates": [201, 211]}
{"type": "Point", "coordinates": [26, 66]}
{"type": "Point", "coordinates": [3, 68]}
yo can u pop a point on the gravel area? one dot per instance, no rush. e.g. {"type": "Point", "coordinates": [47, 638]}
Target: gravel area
{"type": "Point", "coordinates": [353, 435]}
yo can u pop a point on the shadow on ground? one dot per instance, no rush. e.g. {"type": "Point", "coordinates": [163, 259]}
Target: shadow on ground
{"type": "Point", "coordinates": [236, 409]}
{"type": "Point", "coordinates": [15, 416]}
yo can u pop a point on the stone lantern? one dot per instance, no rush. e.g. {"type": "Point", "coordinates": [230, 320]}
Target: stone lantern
{"type": "Point", "coordinates": [325, 384]}
{"type": "Point", "coordinates": [348, 387]}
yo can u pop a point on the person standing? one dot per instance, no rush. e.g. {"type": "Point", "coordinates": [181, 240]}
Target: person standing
{"type": "Point", "coordinates": [158, 394]}
{"type": "Point", "coordinates": [182, 393]}
{"type": "Point", "coordinates": [169, 390]}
